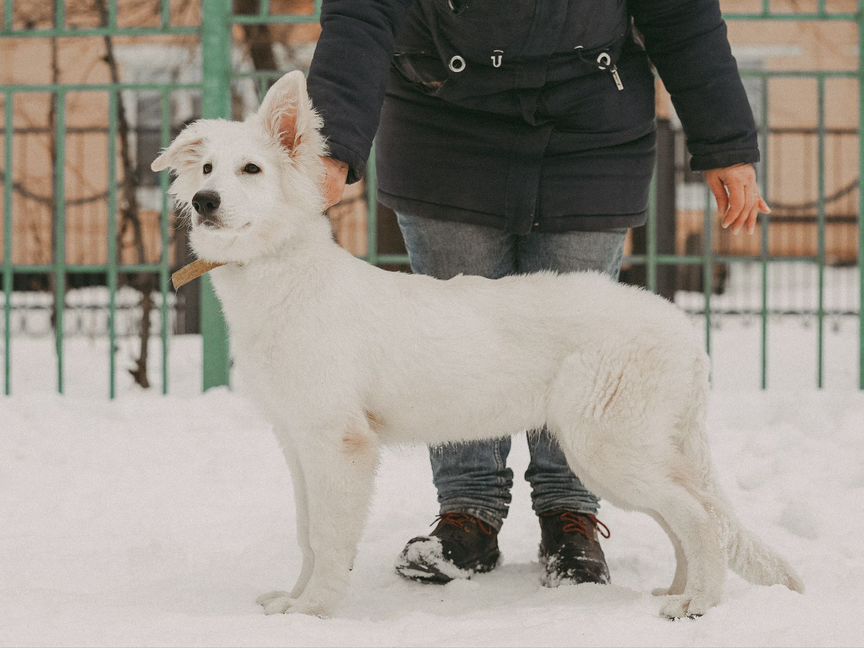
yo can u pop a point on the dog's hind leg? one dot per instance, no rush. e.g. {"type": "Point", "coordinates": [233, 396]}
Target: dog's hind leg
{"type": "Point", "coordinates": [338, 470]}
{"type": "Point", "coordinates": [635, 480]}
{"type": "Point", "coordinates": [615, 428]}
{"type": "Point", "coordinates": [679, 581]}
{"type": "Point", "coordinates": [701, 543]}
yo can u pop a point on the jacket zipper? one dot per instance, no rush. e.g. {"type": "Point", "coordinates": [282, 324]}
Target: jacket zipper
{"type": "Point", "coordinates": [617, 78]}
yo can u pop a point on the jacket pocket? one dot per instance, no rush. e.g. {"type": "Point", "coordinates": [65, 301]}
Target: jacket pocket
{"type": "Point", "coordinates": [424, 70]}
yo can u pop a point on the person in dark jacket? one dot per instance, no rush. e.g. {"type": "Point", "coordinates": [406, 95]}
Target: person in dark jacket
{"type": "Point", "coordinates": [519, 137]}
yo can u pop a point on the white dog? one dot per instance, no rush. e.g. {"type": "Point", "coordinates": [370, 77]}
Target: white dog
{"type": "Point", "coordinates": [344, 356]}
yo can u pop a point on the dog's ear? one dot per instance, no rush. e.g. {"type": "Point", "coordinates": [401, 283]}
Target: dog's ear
{"type": "Point", "coordinates": [287, 113]}
{"type": "Point", "coordinates": [184, 150]}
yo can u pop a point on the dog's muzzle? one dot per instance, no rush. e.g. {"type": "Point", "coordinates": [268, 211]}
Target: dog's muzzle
{"type": "Point", "coordinates": [206, 204]}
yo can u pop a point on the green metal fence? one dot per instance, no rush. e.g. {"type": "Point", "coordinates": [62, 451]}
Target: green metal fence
{"type": "Point", "coordinates": [59, 269]}
{"type": "Point", "coordinates": [217, 39]}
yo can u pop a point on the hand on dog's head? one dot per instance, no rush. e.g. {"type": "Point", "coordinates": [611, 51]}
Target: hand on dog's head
{"type": "Point", "coordinates": [248, 188]}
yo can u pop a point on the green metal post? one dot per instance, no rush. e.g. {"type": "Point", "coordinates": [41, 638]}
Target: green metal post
{"type": "Point", "coordinates": [763, 231]}
{"type": "Point", "coordinates": [112, 14]}
{"type": "Point", "coordinates": [60, 14]}
{"type": "Point", "coordinates": [112, 243]}
{"type": "Point", "coordinates": [8, 134]}
{"type": "Point", "coordinates": [372, 210]}
{"type": "Point", "coordinates": [708, 267]}
{"type": "Point", "coordinates": [60, 235]}
{"type": "Point", "coordinates": [216, 47]}
{"type": "Point", "coordinates": [651, 235]}
{"type": "Point", "coordinates": [861, 199]}
{"type": "Point", "coordinates": [165, 135]}
{"type": "Point", "coordinates": [165, 14]}
{"type": "Point", "coordinates": [820, 215]}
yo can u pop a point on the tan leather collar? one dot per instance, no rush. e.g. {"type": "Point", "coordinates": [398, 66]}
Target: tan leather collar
{"type": "Point", "coordinates": [191, 271]}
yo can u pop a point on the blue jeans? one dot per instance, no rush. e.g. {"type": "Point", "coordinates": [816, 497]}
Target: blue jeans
{"type": "Point", "coordinates": [473, 477]}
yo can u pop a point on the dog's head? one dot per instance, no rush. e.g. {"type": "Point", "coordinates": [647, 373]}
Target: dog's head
{"type": "Point", "coordinates": [249, 187]}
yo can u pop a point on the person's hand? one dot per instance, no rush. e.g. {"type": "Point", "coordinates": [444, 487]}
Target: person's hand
{"type": "Point", "coordinates": [335, 175]}
{"type": "Point", "coordinates": [739, 201]}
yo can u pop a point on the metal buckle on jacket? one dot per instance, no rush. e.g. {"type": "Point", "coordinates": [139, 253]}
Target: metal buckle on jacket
{"type": "Point", "coordinates": [604, 61]}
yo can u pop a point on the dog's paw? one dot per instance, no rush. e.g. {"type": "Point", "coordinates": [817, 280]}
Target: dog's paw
{"type": "Point", "coordinates": [310, 607]}
{"type": "Point", "coordinates": [680, 606]}
{"type": "Point", "coordinates": [665, 591]}
{"type": "Point", "coordinates": [275, 602]}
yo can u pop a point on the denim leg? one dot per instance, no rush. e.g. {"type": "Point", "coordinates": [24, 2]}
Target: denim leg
{"type": "Point", "coordinates": [554, 487]}
{"type": "Point", "coordinates": [553, 484]}
{"type": "Point", "coordinates": [473, 478]}
{"type": "Point", "coordinates": [470, 477]}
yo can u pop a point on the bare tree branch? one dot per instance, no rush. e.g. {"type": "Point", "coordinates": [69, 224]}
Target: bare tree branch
{"type": "Point", "coordinates": [130, 212]}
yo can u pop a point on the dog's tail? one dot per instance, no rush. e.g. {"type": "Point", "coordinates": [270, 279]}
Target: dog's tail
{"type": "Point", "coordinates": [747, 556]}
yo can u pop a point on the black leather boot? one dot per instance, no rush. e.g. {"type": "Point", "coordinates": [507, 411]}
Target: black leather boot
{"type": "Point", "coordinates": [459, 546]}
{"type": "Point", "coordinates": [570, 550]}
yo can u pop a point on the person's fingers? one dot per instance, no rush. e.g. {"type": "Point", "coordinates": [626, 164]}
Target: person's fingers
{"type": "Point", "coordinates": [751, 198]}
{"type": "Point", "coordinates": [752, 219]}
{"type": "Point", "coordinates": [719, 191]}
{"type": "Point", "coordinates": [761, 207]}
{"type": "Point", "coordinates": [737, 203]}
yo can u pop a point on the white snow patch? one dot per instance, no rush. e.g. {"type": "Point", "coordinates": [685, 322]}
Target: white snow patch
{"type": "Point", "coordinates": [158, 520]}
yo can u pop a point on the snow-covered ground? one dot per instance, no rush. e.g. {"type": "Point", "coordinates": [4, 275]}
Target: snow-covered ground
{"type": "Point", "coordinates": [157, 520]}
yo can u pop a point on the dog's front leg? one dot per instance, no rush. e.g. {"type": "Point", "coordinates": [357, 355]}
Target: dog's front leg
{"type": "Point", "coordinates": [279, 601]}
{"type": "Point", "coordinates": [337, 470]}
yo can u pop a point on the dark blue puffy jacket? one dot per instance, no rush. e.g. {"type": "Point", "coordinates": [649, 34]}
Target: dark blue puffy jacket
{"type": "Point", "coordinates": [530, 114]}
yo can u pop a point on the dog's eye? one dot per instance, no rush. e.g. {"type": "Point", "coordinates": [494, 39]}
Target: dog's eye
{"type": "Point", "coordinates": [208, 168]}
{"type": "Point", "coordinates": [251, 168]}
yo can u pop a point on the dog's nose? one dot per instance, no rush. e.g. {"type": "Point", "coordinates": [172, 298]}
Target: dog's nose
{"type": "Point", "coordinates": [206, 203]}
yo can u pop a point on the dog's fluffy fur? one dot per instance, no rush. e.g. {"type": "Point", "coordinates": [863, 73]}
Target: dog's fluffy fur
{"type": "Point", "coordinates": [344, 356]}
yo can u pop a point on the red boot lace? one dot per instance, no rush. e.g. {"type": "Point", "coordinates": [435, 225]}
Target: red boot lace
{"type": "Point", "coordinates": [584, 524]}
{"type": "Point", "coordinates": [464, 522]}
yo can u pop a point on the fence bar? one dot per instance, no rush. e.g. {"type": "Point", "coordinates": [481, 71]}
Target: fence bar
{"type": "Point", "coordinates": [45, 88]}
{"type": "Point", "coordinates": [90, 32]}
{"type": "Point", "coordinates": [254, 19]}
{"type": "Point", "coordinates": [132, 268]}
{"type": "Point", "coordinates": [112, 244]}
{"type": "Point", "coordinates": [8, 15]}
{"type": "Point", "coordinates": [800, 74]}
{"type": "Point", "coordinates": [802, 17]}
{"type": "Point", "coordinates": [60, 233]}
{"type": "Point", "coordinates": [764, 232]}
{"type": "Point", "coordinates": [264, 8]}
{"type": "Point", "coordinates": [216, 48]}
{"type": "Point", "coordinates": [708, 267]}
{"type": "Point", "coordinates": [372, 209]}
{"type": "Point", "coordinates": [393, 259]}
{"type": "Point", "coordinates": [163, 224]}
{"type": "Point", "coordinates": [861, 200]}
{"type": "Point", "coordinates": [820, 370]}
{"type": "Point", "coordinates": [60, 15]}
{"type": "Point", "coordinates": [8, 127]}
{"type": "Point", "coordinates": [165, 14]}
{"type": "Point", "coordinates": [112, 14]}
{"type": "Point", "coordinates": [651, 235]}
